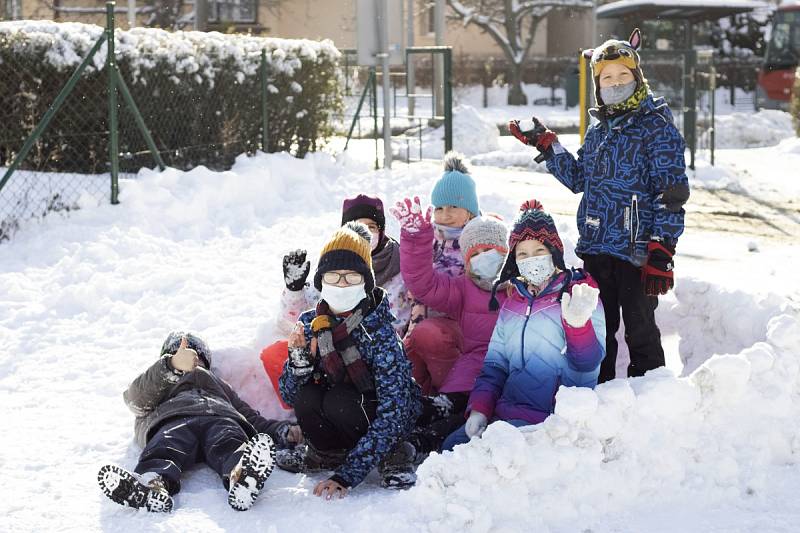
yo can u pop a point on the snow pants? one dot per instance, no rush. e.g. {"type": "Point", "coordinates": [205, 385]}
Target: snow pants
{"type": "Point", "coordinates": [334, 419]}
{"type": "Point", "coordinates": [433, 347]}
{"type": "Point", "coordinates": [620, 285]}
{"type": "Point", "coordinates": [459, 436]}
{"type": "Point", "coordinates": [182, 442]}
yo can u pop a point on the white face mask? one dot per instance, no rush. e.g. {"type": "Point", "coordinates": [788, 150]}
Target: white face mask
{"type": "Point", "coordinates": [343, 299]}
{"type": "Point", "coordinates": [375, 240]}
{"type": "Point", "coordinates": [537, 269]}
{"type": "Point", "coordinates": [486, 264]}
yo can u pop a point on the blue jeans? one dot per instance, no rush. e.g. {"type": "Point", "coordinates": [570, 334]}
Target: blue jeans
{"type": "Point", "coordinates": [459, 436]}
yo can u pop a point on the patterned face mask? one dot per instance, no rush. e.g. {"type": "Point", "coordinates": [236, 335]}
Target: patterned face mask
{"type": "Point", "coordinates": [537, 269]}
{"type": "Point", "coordinates": [616, 94]}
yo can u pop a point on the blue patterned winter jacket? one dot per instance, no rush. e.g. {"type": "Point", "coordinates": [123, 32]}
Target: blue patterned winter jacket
{"type": "Point", "coordinates": [632, 174]}
{"type": "Point", "coordinates": [398, 395]}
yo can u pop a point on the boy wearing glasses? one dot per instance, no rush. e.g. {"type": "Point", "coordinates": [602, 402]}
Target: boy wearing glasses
{"type": "Point", "coordinates": [347, 376]}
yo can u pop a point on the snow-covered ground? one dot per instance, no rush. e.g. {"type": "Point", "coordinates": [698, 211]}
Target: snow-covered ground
{"type": "Point", "coordinates": [709, 444]}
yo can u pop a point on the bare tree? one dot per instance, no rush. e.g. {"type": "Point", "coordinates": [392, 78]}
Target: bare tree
{"type": "Point", "coordinates": [512, 24]}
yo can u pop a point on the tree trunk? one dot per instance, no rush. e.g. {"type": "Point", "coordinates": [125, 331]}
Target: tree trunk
{"type": "Point", "coordinates": [515, 94]}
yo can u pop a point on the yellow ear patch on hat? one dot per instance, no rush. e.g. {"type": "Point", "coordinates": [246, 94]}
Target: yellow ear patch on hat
{"type": "Point", "coordinates": [627, 61]}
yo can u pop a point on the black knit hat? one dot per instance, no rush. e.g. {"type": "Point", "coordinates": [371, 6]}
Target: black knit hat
{"type": "Point", "coordinates": [173, 341]}
{"type": "Point", "coordinates": [348, 249]}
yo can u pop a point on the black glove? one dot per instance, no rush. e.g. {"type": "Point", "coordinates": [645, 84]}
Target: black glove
{"type": "Point", "coordinates": [534, 133]}
{"type": "Point", "coordinates": [300, 361]}
{"type": "Point", "coordinates": [657, 276]}
{"type": "Point", "coordinates": [295, 270]}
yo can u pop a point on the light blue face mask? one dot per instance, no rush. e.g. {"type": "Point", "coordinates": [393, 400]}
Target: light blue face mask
{"type": "Point", "coordinates": [486, 264]}
{"type": "Point", "coordinates": [448, 233]}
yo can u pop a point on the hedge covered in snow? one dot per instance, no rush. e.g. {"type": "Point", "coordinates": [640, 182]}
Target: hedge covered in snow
{"type": "Point", "coordinates": [200, 94]}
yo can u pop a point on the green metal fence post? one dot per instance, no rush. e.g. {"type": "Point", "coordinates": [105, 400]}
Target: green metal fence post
{"type": "Point", "coordinates": [264, 122]}
{"type": "Point", "coordinates": [690, 104]}
{"type": "Point", "coordinates": [448, 101]}
{"type": "Point", "coordinates": [137, 115]}
{"type": "Point", "coordinates": [113, 144]}
{"type": "Point", "coordinates": [51, 112]}
{"type": "Point", "coordinates": [357, 116]}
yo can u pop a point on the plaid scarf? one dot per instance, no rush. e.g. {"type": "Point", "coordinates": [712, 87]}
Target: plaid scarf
{"type": "Point", "coordinates": [337, 349]}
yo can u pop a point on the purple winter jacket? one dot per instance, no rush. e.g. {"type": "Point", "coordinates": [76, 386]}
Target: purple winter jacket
{"type": "Point", "coordinates": [457, 297]}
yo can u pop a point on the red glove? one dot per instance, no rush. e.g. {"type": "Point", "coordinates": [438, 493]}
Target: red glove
{"type": "Point", "coordinates": [657, 271]}
{"type": "Point", "coordinates": [534, 133]}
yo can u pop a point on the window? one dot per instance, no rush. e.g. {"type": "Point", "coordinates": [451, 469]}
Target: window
{"type": "Point", "coordinates": [243, 11]}
{"type": "Point", "coordinates": [12, 10]}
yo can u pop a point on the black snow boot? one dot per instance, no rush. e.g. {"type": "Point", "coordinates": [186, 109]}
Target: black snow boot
{"type": "Point", "coordinates": [248, 476]}
{"type": "Point", "coordinates": [397, 470]}
{"type": "Point", "coordinates": [148, 491]}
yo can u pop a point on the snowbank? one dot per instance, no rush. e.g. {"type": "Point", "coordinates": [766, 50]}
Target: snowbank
{"type": "Point", "coordinates": [87, 301]}
{"type": "Point", "coordinates": [767, 127]}
{"type": "Point", "coordinates": [716, 435]}
{"type": "Point", "coordinates": [472, 134]}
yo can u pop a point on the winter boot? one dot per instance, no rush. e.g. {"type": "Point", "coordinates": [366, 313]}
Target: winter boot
{"type": "Point", "coordinates": [147, 491]}
{"type": "Point", "coordinates": [248, 476]}
{"type": "Point", "coordinates": [307, 459]}
{"type": "Point", "coordinates": [397, 470]}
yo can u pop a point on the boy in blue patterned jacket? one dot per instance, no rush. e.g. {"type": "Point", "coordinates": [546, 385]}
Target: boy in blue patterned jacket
{"type": "Point", "coordinates": [632, 174]}
{"type": "Point", "coordinates": [348, 377]}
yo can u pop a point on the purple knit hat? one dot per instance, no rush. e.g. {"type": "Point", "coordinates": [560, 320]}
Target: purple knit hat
{"type": "Point", "coordinates": [363, 206]}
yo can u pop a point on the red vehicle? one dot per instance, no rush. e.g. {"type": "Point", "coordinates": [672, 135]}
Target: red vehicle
{"type": "Point", "coordinates": [776, 77]}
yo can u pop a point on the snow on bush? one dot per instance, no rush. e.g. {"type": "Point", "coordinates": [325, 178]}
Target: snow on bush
{"type": "Point", "coordinates": [767, 127]}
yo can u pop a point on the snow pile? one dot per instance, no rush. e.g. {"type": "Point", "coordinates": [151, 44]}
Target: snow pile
{"type": "Point", "coordinates": [714, 319]}
{"type": "Point", "coordinates": [472, 134]}
{"type": "Point", "coordinates": [767, 127]}
{"type": "Point", "coordinates": [717, 435]}
{"type": "Point", "coordinates": [199, 53]}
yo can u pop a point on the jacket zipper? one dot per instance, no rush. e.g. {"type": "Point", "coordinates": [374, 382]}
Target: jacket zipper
{"type": "Point", "coordinates": [525, 325]}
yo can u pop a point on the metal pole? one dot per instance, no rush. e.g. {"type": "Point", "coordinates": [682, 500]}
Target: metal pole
{"type": "Point", "coordinates": [113, 126]}
{"type": "Point", "coordinates": [383, 37]}
{"type": "Point", "coordinates": [411, 75]}
{"type": "Point", "coordinates": [374, 102]}
{"type": "Point", "coordinates": [264, 122]}
{"type": "Point", "coordinates": [51, 112]}
{"type": "Point", "coordinates": [448, 100]}
{"type": "Point", "coordinates": [438, 86]}
{"type": "Point", "coordinates": [583, 103]}
{"type": "Point", "coordinates": [713, 82]}
{"type": "Point", "coordinates": [131, 14]}
{"type": "Point", "coordinates": [200, 15]}
{"type": "Point", "coordinates": [148, 138]}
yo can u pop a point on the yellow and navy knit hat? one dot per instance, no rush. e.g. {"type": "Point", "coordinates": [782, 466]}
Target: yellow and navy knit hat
{"type": "Point", "coordinates": [348, 249]}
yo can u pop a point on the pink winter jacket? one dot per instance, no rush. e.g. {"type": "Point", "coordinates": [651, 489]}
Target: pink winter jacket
{"type": "Point", "coordinates": [457, 297]}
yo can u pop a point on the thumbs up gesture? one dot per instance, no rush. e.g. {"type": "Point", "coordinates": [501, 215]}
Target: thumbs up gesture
{"type": "Point", "coordinates": [185, 359]}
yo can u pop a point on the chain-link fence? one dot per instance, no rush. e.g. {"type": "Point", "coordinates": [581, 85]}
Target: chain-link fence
{"type": "Point", "coordinates": [204, 98]}
{"type": "Point", "coordinates": [68, 165]}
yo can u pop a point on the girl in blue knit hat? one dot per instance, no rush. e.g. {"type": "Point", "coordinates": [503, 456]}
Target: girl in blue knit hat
{"type": "Point", "coordinates": [434, 341]}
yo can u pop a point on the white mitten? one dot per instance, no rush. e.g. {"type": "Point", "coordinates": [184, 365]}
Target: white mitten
{"type": "Point", "coordinates": [476, 424]}
{"type": "Point", "coordinates": [578, 308]}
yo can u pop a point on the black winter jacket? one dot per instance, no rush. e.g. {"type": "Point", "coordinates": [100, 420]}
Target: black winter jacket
{"type": "Point", "coordinates": [160, 394]}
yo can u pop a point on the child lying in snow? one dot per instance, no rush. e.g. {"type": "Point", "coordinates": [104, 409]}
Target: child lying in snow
{"type": "Point", "coordinates": [185, 415]}
{"type": "Point", "coordinates": [550, 332]}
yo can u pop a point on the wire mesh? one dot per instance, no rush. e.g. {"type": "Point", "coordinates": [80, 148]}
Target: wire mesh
{"type": "Point", "coordinates": [68, 165]}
